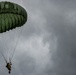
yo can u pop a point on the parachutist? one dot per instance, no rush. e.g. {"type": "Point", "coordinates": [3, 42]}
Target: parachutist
{"type": "Point", "coordinates": [8, 66]}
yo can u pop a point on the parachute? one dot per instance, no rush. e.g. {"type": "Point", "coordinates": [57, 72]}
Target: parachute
{"type": "Point", "coordinates": [12, 16]}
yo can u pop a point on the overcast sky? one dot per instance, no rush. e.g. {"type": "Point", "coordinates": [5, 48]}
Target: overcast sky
{"type": "Point", "coordinates": [47, 42]}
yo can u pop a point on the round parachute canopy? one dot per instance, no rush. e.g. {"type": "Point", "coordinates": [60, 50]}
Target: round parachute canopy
{"type": "Point", "coordinates": [12, 15]}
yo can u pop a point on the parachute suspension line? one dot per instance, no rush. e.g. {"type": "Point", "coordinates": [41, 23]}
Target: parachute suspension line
{"type": "Point", "coordinates": [2, 52]}
{"type": "Point", "coordinates": [3, 56]}
{"type": "Point", "coordinates": [10, 58]}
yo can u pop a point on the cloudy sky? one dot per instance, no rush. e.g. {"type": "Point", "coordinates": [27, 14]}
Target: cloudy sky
{"type": "Point", "coordinates": [46, 44]}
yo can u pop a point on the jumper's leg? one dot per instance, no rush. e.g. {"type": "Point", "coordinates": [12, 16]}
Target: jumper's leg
{"type": "Point", "coordinates": [9, 71]}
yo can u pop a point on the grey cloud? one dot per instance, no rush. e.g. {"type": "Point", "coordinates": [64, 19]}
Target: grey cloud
{"type": "Point", "coordinates": [65, 54]}
{"type": "Point", "coordinates": [48, 20]}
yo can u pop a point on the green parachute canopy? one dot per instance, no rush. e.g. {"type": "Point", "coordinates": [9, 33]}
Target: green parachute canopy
{"type": "Point", "coordinates": [11, 16]}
